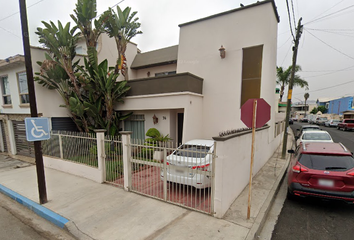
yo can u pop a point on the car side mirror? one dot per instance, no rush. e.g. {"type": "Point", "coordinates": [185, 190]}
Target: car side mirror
{"type": "Point", "coordinates": [291, 151]}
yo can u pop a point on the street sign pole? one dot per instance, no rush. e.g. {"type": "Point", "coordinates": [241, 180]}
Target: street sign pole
{"type": "Point", "coordinates": [33, 105]}
{"type": "Point", "coordinates": [252, 158]}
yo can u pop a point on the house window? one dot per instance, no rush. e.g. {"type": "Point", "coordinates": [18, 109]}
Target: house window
{"type": "Point", "coordinates": [327, 105]}
{"type": "Point", "coordinates": [6, 95]}
{"type": "Point", "coordinates": [136, 124]}
{"type": "Point", "coordinates": [23, 88]}
{"type": "Point", "coordinates": [251, 73]}
{"type": "Point", "coordinates": [164, 73]}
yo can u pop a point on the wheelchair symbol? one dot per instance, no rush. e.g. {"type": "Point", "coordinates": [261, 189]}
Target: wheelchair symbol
{"type": "Point", "coordinates": [38, 129]}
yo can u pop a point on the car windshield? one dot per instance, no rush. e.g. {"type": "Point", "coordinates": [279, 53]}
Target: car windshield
{"type": "Point", "coordinates": [327, 162]}
{"type": "Point", "coordinates": [316, 136]}
{"type": "Point", "coordinates": [349, 121]}
{"type": "Point", "coordinates": [310, 128]}
{"type": "Point", "coordinates": [324, 118]}
{"type": "Point", "coordinates": [193, 151]}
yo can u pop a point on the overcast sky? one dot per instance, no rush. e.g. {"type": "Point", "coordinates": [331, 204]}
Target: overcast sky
{"type": "Point", "coordinates": [326, 52]}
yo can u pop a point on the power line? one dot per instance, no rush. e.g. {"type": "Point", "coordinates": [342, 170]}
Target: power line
{"type": "Point", "coordinates": [285, 42]}
{"type": "Point", "coordinates": [286, 55]}
{"type": "Point", "coordinates": [341, 10]}
{"type": "Point", "coordinates": [337, 85]}
{"type": "Point", "coordinates": [111, 7]}
{"type": "Point", "coordinates": [330, 46]}
{"type": "Point", "coordinates": [328, 9]}
{"type": "Point", "coordinates": [291, 29]}
{"type": "Point", "coordinates": [19, 11]}
{"type": "Point", "coordinates": [10, 32]}
{"type": "Point", "coordinates": [292, 6]}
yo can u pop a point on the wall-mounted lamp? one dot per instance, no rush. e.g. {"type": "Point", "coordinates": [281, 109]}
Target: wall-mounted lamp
{"type": "Point", "coordinates": [155, 119]}
{"type": "Point", "coordinates": [222, 52]}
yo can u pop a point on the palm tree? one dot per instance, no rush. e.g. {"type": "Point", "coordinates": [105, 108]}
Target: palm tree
{"type": "Point", "coordinates": [123, 27]}
{"type": "Point", "coordinates": [306, 96]}
{"type": "Point", "coordinates": [283, 79]}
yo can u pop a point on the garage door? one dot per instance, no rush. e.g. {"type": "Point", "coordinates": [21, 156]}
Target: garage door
{"type": "Point", "coordinates": [23, 147]}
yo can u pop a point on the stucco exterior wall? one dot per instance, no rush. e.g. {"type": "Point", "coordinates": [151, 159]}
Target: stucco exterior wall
{"type": "Point", "coordinates": [198, 53]}
{"type": "Point", "coordinates": [232, 167]}
{"type": "Point", "coordinates": [143, 73]}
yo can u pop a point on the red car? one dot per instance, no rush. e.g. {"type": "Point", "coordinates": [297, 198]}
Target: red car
{"type": "Point", "coordinates": [324, 170]}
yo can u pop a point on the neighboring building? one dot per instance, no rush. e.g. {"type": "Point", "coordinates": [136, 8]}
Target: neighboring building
{"type": "Point", "coordinates": [299, 109]}
{"type": "Point", "coordinates": [192, 90]}
{"type": "Point", "coordinates": [341, 105]}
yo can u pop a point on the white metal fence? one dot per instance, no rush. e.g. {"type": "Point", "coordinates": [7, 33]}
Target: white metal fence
{"type": "Point", "coordinates": [182, 176]}
{"type": "Point", "coordinates": [72, 146]}
{"type": "Point", "coordinates": [114, 169]}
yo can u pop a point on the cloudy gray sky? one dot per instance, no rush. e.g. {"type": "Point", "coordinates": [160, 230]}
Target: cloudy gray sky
{"type": "Point", "coordinates": [326, 52]}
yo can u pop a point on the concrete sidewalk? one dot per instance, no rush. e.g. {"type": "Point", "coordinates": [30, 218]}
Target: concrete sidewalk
{"type": "Point", "coordinates": [90, 210]}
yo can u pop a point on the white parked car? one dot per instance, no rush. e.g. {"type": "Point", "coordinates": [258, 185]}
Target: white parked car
{"type": "Point", "coordinates": [314, 136]}
{"type": "Point", "coordinates": [190, 164]}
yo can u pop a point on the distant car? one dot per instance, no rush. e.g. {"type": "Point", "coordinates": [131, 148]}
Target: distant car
{"type": "Point", "coordinates": [321, 120]}
{"type": "Point", "coordinates": [322, 170]}
{"type": "Point", "coordinates": [304, 120]}
{"type": "Point", "coordinates": [190, 164]}
{"type": "Point", "coordinates": [314, 136]}
{"type": "Point", "coordinates": [306, 128]}
{"type": "Point", "coordinates": [332, 123]}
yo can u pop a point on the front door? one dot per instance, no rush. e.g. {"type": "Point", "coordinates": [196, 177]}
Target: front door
{"type": "Point", "coordinates": [180, 117]}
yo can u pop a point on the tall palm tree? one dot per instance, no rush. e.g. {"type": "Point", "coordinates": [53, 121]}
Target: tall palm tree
{"type": "Point", "coordinates": [283, 79]}
{"type": "Point", "coordinates": [306, 96]}
{"type": "Point", "coordinates": [123, 27]}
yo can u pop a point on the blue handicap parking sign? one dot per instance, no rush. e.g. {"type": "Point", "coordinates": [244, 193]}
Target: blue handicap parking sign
{"type": "Point", "coordinates": [37, 129]}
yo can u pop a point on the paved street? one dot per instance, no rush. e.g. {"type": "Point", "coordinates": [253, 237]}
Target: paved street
{"type": "Point", "coordinates": [313, 218]}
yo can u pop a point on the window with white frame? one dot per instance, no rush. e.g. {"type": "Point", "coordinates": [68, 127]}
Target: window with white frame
{"type": "Point", "coordinates": [23, 88]}
{"type": "Point", "coordinates": [5, 87]}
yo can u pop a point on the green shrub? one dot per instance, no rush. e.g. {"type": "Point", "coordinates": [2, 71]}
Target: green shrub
{"type": "Point", "coordinates": [153, 133]}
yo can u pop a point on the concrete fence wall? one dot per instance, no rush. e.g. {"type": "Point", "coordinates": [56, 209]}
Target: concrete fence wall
{"type": "Point", "coordinates": [232, 165]}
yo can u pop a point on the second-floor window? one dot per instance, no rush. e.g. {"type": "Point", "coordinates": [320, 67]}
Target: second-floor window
{"type": "Point", "coordinates": [6, 95]}
{"type": "Point", "coordinates": [23, 88]}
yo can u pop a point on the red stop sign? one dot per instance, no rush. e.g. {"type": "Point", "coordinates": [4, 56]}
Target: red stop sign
{"type": "Point", "coordinates": [262, 112]}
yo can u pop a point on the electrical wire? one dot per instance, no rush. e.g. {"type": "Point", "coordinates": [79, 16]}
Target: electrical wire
{"type": "Point", "coordinates": [286, 55]}
{"type": "Point", "coordinates": [337, 85]}
{"type": "Point", "coordinates": [111, 7]}
{"type": "Point", "coordinates": [285, 42]}
{"type": "Point", "coordinates": [291, 29]}
{"type": "Point", "coordinates": [10, 32]}
{"type": "Point", "coordinates": [292, 6]}
{"type": "Point", "coordinates": [341, 10]}
{"type": "Point", "coordinates": [330, 45]}
{"type": "Point", "coordinates": [19, 11]}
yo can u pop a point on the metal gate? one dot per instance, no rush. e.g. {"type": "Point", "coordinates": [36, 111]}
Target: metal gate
{"type": "Point", "coordinates": [23, 147]}
{"type": "Point", "coordinates": [186, 178]}
{"type": "Point", "coordinates": [2, 125]}
{"type": "Point", "coordinates": [114, 160]}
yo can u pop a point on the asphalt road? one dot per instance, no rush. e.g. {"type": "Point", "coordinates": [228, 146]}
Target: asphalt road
{"type": "Point", "coordinates": [314, 218]}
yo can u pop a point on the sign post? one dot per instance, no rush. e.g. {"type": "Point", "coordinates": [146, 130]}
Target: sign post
{"type": "Point", "coordinates": [254, 113]}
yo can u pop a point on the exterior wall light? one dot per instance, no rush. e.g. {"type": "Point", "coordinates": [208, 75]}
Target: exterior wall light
{"type": "Point", "coordinates": [155, 119]}
{"type": "Point", "coordinates": [222, 52]}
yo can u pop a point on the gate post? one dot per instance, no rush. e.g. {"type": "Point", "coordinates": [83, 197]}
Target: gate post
{"type": "Point", "coordinates": [101, 155]}
{"type": "Point", "coordinates": [127, 168]}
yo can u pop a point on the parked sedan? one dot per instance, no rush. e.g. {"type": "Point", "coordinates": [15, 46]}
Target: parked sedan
{"type": "Point", "coordinates": [306, 128]}
{"type": "Point", "coordinates": [190, 164]}
{"type": "Point", "coordinates": [314, 136]}
{"type": "Point", "coordinates": [322, 170]}
{"type": "Point", "coordinates": [333, 122]}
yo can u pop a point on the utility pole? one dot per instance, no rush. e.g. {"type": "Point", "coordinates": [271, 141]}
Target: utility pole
{"type": "Point", "coordinates": [33, 104]}
{"type": "Point", "coordinates": [291, 83]}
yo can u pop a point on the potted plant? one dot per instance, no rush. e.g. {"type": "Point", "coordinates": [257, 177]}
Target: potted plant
{"type": "Point", "coordinates": [157, 140]}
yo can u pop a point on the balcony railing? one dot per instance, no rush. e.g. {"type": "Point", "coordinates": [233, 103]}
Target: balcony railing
{"type": "Point", "coordinates": [181, 82]}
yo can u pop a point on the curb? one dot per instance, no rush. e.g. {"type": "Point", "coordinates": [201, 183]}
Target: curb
{"type": "Point", "coordinates": [263, 213]}
{"type": "Point", "coordinates": [41, 211]}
